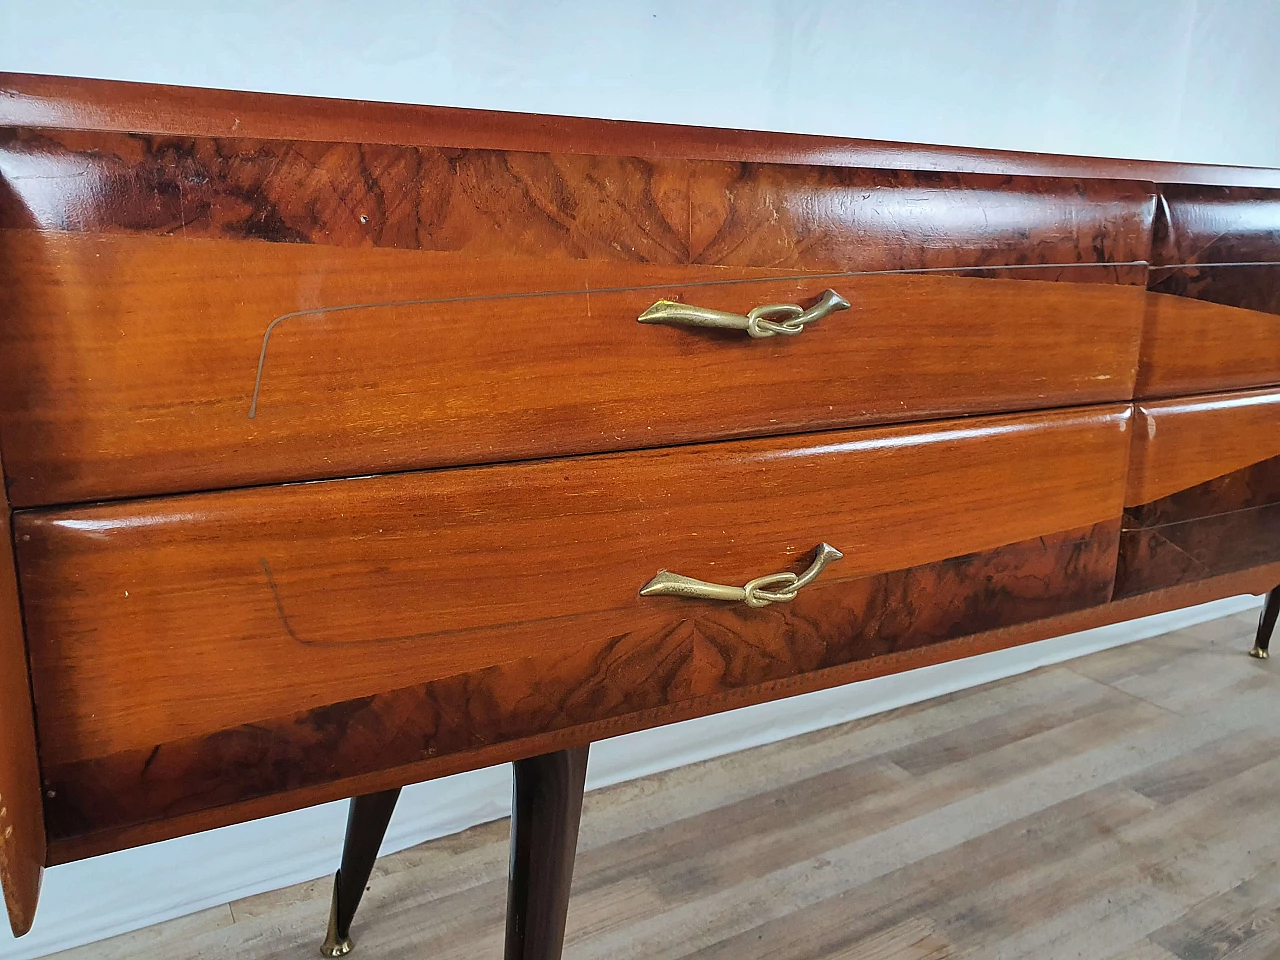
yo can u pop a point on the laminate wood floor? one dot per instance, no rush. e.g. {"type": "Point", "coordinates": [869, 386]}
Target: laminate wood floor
{"type": "Point", "coordinates": [1124, 806]}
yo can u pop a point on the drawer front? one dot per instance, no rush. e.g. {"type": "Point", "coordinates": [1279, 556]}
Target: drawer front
{"type": "Point", "coordinates": [300, 634]}
{"type": "Point", "coordinates": [201, 314]}
{"type": "Point", "coordinates": [1213, 322]}
{"type": "Point", "coordinates": [1203, 494]}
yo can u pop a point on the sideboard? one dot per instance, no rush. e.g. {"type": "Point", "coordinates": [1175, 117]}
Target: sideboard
{"type": "Point", "coordinates": [350, 445]}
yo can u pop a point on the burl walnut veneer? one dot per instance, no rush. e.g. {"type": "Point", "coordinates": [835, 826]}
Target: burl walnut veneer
{"type": "Point", "coordinates": [350, 445]}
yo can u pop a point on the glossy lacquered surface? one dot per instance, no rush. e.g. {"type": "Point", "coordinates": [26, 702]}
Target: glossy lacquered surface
{"type": "Point", "coordinates": [177, 823]}
{"type": "Point", "coordinates": [417, 307]}
{"type": "Point", "coordinates": [1213, 320]}
{"type": "Point", "coordinates": [207, 291]}
{"type": "Point", "coordinates": [1183, 443]}
{"type": "Point", "coordinates": [22, 835]}
{"type": "Point", "coordinates": [1204, 490]}
{"type": "Point", "coordinates": [146, 365]}
{"type": "Point", "coordinates": [74, 103]}
{"type": "Point", "coordinates": [444, 611]}
{"type": "Point", "coordinates": [546, 810]}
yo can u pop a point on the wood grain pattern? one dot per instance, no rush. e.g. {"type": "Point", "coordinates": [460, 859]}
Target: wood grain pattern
{"type": "Point", "coordinates": [318, 593]}
{"type": "Point", "coordinates": [1153, 557]}
{"type": "Point", "coordinates": [495, 203]}
{"type": "Point", "coordinates": [132, 364]}
{"type": "Point", "coordinates": [1203, 492]}
{"type": "Point", "coordinates": [1204, 224]}
{"type": "Point", "coordinates": [1183, 443]}
{"type": "Point", "coordinates": [1257, 485]}
{"type": "Point", "coordinates": [22, 833]}
{"type": "Point", "coordinates": [1213, 322]}
{"type": "Point", "coordinates": [829, 218]}
{"type": "Point", "coordinates": [1209, 329]}
{"type": "Point", "coordinates": [637, 675]}
{"type": "Point", "coordinates": [202, 658]}
{"type": "Point", "coordinates": [134, 336]}
{"type": "Point", "coordinates": [949, 828]}
{"type": "Point", "coordinates": [109, 687]}
{"type": "Point", "coordinates": [1257, 580]}
{"type": "Point", "coordinates": [343, 194]}
{"type": "Point", "coordinates": [73, 103]}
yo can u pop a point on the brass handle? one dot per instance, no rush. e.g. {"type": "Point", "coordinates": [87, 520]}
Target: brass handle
{"type": "Point", "coordinates": [760, 592]}
{"type": "Point", "coordinates": [768, 320]}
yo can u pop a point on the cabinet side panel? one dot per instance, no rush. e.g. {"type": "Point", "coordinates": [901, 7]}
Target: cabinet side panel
{"type": "Point", "coordinates": [22, 838]}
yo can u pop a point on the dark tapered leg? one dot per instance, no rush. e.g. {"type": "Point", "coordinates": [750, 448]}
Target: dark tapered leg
{"type": "Point", "coordinates": [367, 821]}
{"type": "Point", "coordinates": [1266, 626]}
{"type": "Point", "coordinates": [544, 838]}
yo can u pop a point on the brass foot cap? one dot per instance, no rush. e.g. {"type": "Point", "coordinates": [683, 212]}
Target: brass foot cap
{"type": "Point", "coordinates": [337, 948]}
{"type": "Point", "coordinates": [1260, 654]}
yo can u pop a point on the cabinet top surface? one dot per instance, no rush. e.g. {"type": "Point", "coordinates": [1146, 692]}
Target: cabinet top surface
{"type": "Point", "coordinates": [31, 100]}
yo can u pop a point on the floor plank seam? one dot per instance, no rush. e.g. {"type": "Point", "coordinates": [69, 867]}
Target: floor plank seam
{"type": "Point", "coordinates": [1128, 693]}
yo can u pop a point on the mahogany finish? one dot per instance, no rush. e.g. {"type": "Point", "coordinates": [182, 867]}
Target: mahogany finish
{"type": "Point", "coordinates": [73, 103]}
{"type": "Point", "coordinates": [1213, 322]}
{"type": "Point", "coordinates": [1204, 224]}
{"type": "Point", "coordinates": [22, 832]}
{"type": "Point", "coordinates": [209, 296]}
{"type": "Point", "coordinates": [145, 365]}
{"type": "Point", "coordinates": [624, 678]}
{"type": "Point", "coordinates": [1254, 580]}
{"type": "Point", "coordinates": [1203, 491]}
{"type": "Point", "coordinates": [565, 206]}
{"type": "Point", "coordinates": [1182, 443]}
{"type": "Point", "coordinates": [140, 358]}
{"type": "Point", "coordinates": [545, 813]}
{"type": "Point", "coordinates": [285, 601]}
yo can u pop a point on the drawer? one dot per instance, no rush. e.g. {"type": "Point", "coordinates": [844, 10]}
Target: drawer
{"type": "Point", "coordinates": [199, 650]}
{"type": "Point", "coordinates": [1203, 495]}
{"type": "Point", "coordinates": [1213, 323]}
{"type": "Point", "coordinates": [203, 314]}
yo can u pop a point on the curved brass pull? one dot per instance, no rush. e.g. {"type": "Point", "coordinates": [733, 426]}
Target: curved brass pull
{"type": "Point", "coordinates": [760, 592]}
{"type": "Point", "coordinates": [768, 320]}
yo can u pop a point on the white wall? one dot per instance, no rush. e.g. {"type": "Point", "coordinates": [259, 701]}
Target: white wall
{"type": "Point", "coordinates": [1189, 80]}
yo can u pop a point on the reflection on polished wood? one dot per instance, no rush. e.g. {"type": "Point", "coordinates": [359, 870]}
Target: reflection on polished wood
{"type": "Point", "coordinates": [1203, 493]}
{"type": "Point", "coordinates": [1213, 320]}
{"type": "Point", "coordinates": [1182, 443]}
{"type": "Point", "coordinates": [150, 389]}
{"type": "Point", "coordinates": [139, 365]}
{"type": "Point", "coordinates": [423, 591]}
{"type": "Point", "coordinates": [545, 813]}
{"type": "Point", "coordinates": [210, 298]}
{"type": "Point", "coordinates": [73, 103]}
{"type": "Point", "coordinates": [22, 831]}
{"type": "Point", "coordinates": [1192, 345]}
{"type": "Point", "coordinates": [1023, 819]}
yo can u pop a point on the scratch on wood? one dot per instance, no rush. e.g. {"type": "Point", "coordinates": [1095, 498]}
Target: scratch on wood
{"type": "Point", "coordinates": [741, 282]}
{"type": "Point", "coordinates": [275, 595]}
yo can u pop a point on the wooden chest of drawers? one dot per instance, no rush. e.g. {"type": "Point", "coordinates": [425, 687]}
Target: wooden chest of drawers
{"type": "Point", "coordinates": [337, 459]}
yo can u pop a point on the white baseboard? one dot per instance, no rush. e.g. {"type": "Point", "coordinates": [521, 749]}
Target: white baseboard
{"type": "Point", "coordinates": [119, 892]}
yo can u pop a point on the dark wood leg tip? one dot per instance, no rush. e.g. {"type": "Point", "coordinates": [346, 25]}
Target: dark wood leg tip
{"type": "Point", "coordinates": [366, 826]}
{"type": "Point", "coordinates": [545, 815]}
{"type": "Point", "coordinates": [1266, 626]}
